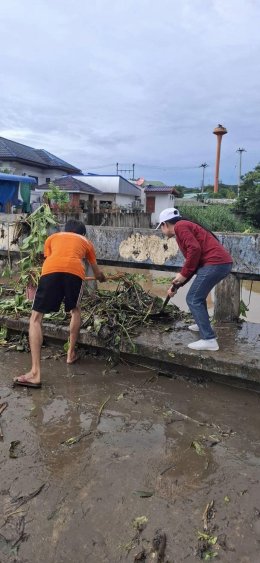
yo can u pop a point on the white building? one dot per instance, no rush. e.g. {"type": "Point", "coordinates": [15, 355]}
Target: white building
{"type": "Point", "coordinates": [157, 199]}
{"type": "Point", "coordinates": [117, 192]}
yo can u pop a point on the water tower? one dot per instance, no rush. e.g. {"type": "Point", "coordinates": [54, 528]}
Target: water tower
{"type": "Point", "coordinates": [219, 131]}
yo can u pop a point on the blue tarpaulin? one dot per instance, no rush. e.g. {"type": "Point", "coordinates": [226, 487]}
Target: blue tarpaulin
{"type": "Point", "coordinates": [15, 178]}
{"type": "Point", "coordinates": [9, 191]}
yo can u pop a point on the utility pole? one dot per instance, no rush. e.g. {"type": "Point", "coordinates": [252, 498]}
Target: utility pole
{"type": "Point", "coordinates": [219, 131]}
{"type": "Point", "coordinates": [203, 166]}
{"type": "Point", "coordinates": [130, 170]}
{"type": "Point", "coordinates": [240, 169]}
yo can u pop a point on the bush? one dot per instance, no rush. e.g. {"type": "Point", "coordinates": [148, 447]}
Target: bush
{"type": "Point", "coordinates": [216, 217]}
{"type": "Point", "coordinates": [248, 203]}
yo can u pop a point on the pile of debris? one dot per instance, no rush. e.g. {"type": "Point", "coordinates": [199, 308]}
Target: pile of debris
{"type": "Point", "coordinates": [109, 315]}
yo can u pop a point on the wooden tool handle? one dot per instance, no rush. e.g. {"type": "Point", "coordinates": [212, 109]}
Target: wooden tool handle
{"type": "Point", "coordinates": [112, 277]}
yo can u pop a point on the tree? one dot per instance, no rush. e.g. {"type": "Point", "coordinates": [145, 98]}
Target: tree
{"type": "Point", "coordinates": [248, 203]}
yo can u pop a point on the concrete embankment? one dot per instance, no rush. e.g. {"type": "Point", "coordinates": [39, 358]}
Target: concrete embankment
{"type": "Point", "coordinates": [166, 349]}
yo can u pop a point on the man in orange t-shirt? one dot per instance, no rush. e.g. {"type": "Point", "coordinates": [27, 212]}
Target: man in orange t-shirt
{"type": "Point", "coordinates": [62, 279]}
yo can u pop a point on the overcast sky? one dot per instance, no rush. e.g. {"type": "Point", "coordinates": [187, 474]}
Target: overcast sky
{"type": "Point", "coordinates": [133, 81]}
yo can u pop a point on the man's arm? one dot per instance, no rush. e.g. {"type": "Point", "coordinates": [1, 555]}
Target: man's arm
{"type": "Point", "coordinates": [99, 275]}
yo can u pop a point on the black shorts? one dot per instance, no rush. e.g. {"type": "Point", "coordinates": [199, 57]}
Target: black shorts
{"type": "Point", "coordinates": [55, 288]}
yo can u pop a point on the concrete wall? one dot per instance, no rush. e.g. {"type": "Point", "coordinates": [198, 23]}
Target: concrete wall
{"type": "Point", "coordinates": [148, 248]}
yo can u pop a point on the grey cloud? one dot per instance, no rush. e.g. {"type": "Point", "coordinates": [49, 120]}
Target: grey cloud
{"type": "Point", "coordinates": [135, 81]}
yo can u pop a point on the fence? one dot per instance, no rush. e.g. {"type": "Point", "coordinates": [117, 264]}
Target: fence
{"type": "Point", "coordinates": [135, 220]}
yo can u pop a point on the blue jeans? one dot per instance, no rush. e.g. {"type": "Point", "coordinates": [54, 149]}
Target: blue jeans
{"type": "Point", "coordinates": [207, 277]}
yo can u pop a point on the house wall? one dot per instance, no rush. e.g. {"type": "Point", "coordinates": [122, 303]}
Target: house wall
{"type": "Point", "coordinates": [115, 199]}
{"type": "Point", "coordinates": [103, 197]}
{"type": "Point", "coordinates": [41, 173]}
{"type": "Point", "coordinates": [162, 201]}
{"type": "Point", "coordinates": [124, 200]}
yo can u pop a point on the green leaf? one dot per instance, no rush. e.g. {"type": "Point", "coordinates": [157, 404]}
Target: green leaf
{"type": "Point", "coordinates": [209, 555]}
{"type": "Point", "coordinates": [197, 447]}
{"type": "Point", "coordinates": [212, 540]}
{"type": "Point", "coordinates": [140, 522]}
{"type": "Point", "coordinates": [144, 494]}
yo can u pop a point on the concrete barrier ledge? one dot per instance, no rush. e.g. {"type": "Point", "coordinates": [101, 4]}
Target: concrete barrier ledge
{"type": "Point", "coordinates": [238, 357]}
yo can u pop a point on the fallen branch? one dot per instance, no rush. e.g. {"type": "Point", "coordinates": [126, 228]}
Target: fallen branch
{"type": "Point", "coordinates": [3, 406]}
{"type": "Point", "coordinates": [208, 514]}
{"type": "Point", "coordinates": [101, 409]}
{"type": "Point", "coordinates": [186, 417]}
{"type": "Point", "coordinates": [19, 501]}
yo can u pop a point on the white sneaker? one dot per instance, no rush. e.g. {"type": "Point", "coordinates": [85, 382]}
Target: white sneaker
{"type": "Point", "coordinates": [211, 345]}
{"type": "Point", "coordinates": [194, 328]}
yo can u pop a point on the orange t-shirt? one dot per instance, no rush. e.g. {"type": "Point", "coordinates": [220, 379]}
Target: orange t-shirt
{"type": "Point", "coordinates": [65, 252]}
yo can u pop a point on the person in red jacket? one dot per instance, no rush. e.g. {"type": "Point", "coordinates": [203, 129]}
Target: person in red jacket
{"type": "Point", "coordinates": [208, 259]}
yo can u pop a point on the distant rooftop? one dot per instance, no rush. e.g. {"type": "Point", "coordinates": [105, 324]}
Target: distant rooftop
{"type": "Point", "coordinates": [141, 182]}
{"type": "Point", "coordinates": [71, 185]}
{"type": "Point", "coordinates": [161, 189]}
{"type": "Point", "coordinates": [11, 150]}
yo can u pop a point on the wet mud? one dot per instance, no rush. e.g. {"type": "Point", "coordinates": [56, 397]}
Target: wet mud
{"type": "Point", "coordinates": [101, 446]}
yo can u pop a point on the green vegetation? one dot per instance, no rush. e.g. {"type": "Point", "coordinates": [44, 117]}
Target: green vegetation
{"type": "Point", "coordinates": [248, 203]}
{"type": "Point", "coordinates": [38, 224]}
{"type": "Point", "coordinates": [225, 191]}
{"type": "Point", "coordinates": [217, 218]}
{"type": "Point", "coordinates": [56, 195]}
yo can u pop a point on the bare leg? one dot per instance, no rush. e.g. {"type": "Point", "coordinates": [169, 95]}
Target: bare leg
{"type": "Point", "coordinates": [74, 334]}
{"type": "Point", "coordinates": [35, 338]}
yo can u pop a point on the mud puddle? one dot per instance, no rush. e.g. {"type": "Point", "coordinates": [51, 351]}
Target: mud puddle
{"type": "Point", "coordinates": [100, 446]}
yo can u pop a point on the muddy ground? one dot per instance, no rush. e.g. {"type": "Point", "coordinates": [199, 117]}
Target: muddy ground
{"type": "Point", "coordinates": [100, 446]}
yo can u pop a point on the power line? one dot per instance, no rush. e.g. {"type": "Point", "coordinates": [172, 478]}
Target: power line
{"type": "Point", "coordinates": [142, 165]}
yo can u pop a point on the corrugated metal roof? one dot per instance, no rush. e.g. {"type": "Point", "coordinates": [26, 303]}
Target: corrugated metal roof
{"type": "Point", "coordinates": [11, 150]}
{"type": "Point", "coordinates": [111, 184]}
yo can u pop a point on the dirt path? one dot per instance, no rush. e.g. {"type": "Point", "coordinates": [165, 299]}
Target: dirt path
{"type": "Point", "coordinates": [100, 447]}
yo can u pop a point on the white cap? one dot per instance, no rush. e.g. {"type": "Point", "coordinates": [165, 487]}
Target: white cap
{"type": "Point", "coordinates": [167, 214]}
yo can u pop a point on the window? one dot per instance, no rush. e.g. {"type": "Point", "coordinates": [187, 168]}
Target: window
{"type": "Point", "coordinates": [47, 180]}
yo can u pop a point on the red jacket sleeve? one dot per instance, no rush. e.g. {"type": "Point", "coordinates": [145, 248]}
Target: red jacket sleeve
{"type": "Point", "coordinates": [190, 248]}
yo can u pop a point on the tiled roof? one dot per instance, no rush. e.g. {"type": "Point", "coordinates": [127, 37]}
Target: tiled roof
{"type": "Point", "coordinates": [161, 189]}
{"type": "Point", "coordinates": [11, 150]}
{"type": "Point", "coordinates": [70, 184]}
